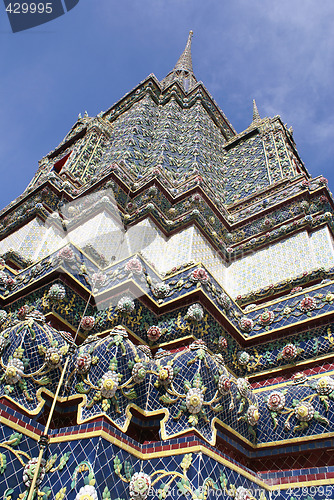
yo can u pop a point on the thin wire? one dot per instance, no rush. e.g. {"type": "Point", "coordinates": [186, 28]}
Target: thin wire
{"type": "Point", "coordinates": [60, 383]}
{"type": "Point", "coordinates": [54, 402]}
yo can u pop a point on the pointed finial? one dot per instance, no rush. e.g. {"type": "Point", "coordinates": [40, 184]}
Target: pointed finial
{"type": "Point", "coordinates": [183, 69]}
{"type": "Point", "coordinates": [256, 114]}
{"type": "Point", "coordinates": [185, 62]}
{"type": "Point", "coordinates": [79, 116]}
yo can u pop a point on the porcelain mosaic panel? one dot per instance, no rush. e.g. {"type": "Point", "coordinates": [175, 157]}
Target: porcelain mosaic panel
{"type": "Point", "coordinates": [101, 468]}
{"type": "Point", "coordinates": [152, 249]}
{"type": "Point", "coordinates": [272, 264]}
{"type": "Point", "coordinates": [245, 169]}
{"type": "Point", "coordinates": [103, 233]}
{"type": "Point", "coordinates": [25, 240]}
{"type": "Point", "coordinates": [180, 249]}
{"type": "Point", "coordinates": [53, 240]}
{"type": "Point", "coordinates": [207, 255]}
{"type": "Point", "coordinates": [322, 248]}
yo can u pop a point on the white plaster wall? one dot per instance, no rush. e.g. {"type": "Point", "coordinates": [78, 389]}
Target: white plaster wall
{"type": "Point", "coordinates": [203, 252]}
{"type": "Point", "coordinates": [322, 248]}
{"type": "Point", "coordinates": [285, 259]}
{"type": "Point", "coordinates": [25, 240]}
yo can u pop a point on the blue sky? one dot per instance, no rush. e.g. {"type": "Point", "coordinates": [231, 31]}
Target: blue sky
{"type": "Point", "coordinates": [280, 53]}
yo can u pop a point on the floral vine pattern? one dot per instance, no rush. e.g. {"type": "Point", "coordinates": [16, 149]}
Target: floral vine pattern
{"type": "Point", "coordinates": [29, 465]}
{"type": "Point", "coordinates": [107, 388]}
{"type": "Point", "coordinates": [20, 375]}
{"type": "Point", "coordinates": [141, 484]}
{"type": "Point", "coordinates": [64, 302]}
{"type": "Point", "coordinates": [302, 408]}
{"type": "Point", "coordinates": [112, 373]}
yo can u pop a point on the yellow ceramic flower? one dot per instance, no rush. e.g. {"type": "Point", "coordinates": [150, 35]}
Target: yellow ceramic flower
{"type": "Point", "coordinates": [322, 383]}
{"type": "Point", "coordinates": [302, 411]}
{"type": "Point", "coordinates": [55, 358]}
{"type": "Point", "coordinates": [163, 374]}
{"type": "Point", "coordinates": [14, 371]}
{"type": "Point", "coordinates": [11, 372]}
{"type": "Point", "coordinates": [86, 496]}
{"type": "Point", "coordinates": [109, 384]}
{"type": "Point", "coordinates": [194, 400]}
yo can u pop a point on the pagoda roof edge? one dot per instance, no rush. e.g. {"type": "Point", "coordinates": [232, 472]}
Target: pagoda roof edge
{"type": "Point", "coordinates": [151, 76]}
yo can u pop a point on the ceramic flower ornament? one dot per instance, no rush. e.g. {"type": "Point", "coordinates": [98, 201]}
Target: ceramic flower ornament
{"type": "Point", "coordinates": [87, 492]}
{"type": "Point", "coordinates": [140, 485]}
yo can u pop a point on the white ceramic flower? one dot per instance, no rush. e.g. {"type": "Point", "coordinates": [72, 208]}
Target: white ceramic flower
{"type": "Point", "coordinates": [53, 357]}
{"type": "Point", "coordinates": [243, 358]}
{"type": "Point", "coordinates": [194, 400]}
{"type": "Point", "coordinates": [3, 343]}
{"type": "Point", "coordinates": [243, 386]}
{"type": "Point", "coordinates": [140, 485]}
{"type": "Point", "coordinates": [126, 305]}
{"type": "Point", "coordinates": [243, 494]}
{"type": "Point", "coordinates": [3, 316]}
{"type": "Point", "coordinates": [57, 292]}
{"type": "Point", "coordinates": [14, 371]}
{"type": "Point", "coordinates": [195, 312]}
{"type": "Point", "coordinates": [253, 415]}
{"type": "Point", "coordinates": [109, 384]}
{"type": "Point", "coordinates": [138, 372]}
{"type": "Point", "coordinates": [87, 492]}
{"type": "Point", "coordinates": [29, 471]}
{"type": "Point", "coordinates": [325, 385]}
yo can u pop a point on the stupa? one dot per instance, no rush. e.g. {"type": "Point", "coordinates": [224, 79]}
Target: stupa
{"type": "Point", "coordinates": [167, 299]}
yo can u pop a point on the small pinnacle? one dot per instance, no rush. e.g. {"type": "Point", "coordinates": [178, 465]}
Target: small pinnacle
{"type": "Point", "coordinates": [256, 114]}
{"type": "Point", "coordinates": [185, 63]}
{"type": "Point", "coordinates": [183, 69]}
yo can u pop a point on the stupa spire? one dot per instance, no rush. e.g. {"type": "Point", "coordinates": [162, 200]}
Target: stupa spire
{"type": "Point", "coordinates": [185, 62]}
{"type": "Point", "coordinates": [256, 114]}
{"type": "Point", "coordinates": [183, 69]}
